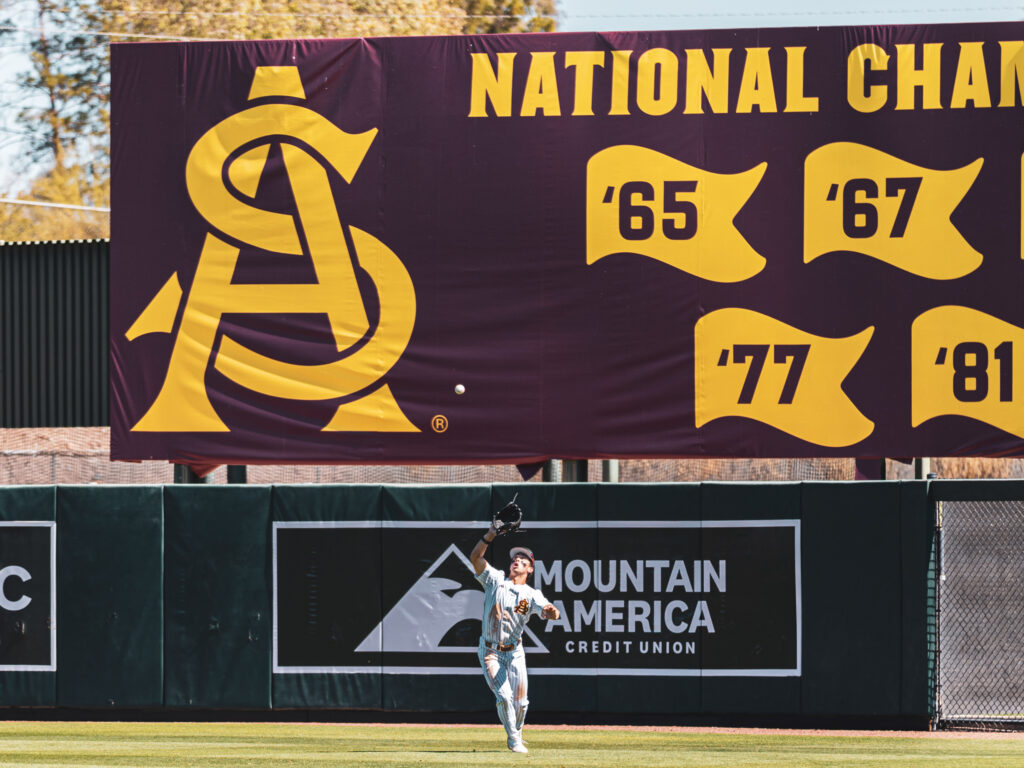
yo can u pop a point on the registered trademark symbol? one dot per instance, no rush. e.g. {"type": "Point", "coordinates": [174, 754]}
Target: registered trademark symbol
{"type": "Point", "coordinates": [439, 423]}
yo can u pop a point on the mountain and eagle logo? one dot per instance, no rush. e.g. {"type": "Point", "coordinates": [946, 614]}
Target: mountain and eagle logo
{"type": "Point", "coordinates": [440, 612]}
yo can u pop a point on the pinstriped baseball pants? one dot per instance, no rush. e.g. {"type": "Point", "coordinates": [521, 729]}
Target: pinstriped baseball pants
{"type": "Point", "coordinates": [505, 673]}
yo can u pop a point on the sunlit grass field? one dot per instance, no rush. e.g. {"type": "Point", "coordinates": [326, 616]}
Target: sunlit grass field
{"type": "Point", "coordinates": [269, 744]}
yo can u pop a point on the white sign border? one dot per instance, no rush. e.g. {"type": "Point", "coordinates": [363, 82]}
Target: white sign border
{"type": "Point", "coordinates": [552, 671]}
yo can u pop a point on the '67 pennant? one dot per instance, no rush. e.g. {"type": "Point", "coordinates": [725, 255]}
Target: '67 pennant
{"type": "Point", "coordinates": [860, 199]}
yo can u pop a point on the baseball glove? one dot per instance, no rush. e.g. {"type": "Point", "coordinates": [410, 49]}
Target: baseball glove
{"type": "Point", "coordinates": [508, 518]}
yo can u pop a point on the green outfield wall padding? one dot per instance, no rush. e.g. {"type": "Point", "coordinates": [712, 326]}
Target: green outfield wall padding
{"type": "Point", "coordinates": [559, 694]}
{"type": "Point", "coordinates": [217, 596]}
{"type": "Point", "coordinates": [751, 696]}
{"type": "Point", "coordinates": [648, 695]}
{"type": "Point", "coordinates": [166, 596]}
{"type": "Point", "coordinates": [110, 596]}
{"type": "Point", "coordinates": [438, 693]}
{"type": "Point", "coordinates": [424, 568]}
{"type": "Point", "coordinates": [654, 501]}
{"type": "Point", "coordinates": [545, 505]}
{"type": "Point", "coordinates": [852, 598]}
{"type": "Point", "coordinates": [329, 580]}
{"type": "Point", "coordinates": [750, 501]}
{"type": "Point", "coordinates": [542, 502]}
{"type": "Point", "coordinates": [28, 502]}
{"type": "Point", "coordinates": [326, 503]}
{"type": "Point", "coordinates": [28, 689]}
{"type": "Point", "coordinates": [745, 502]}
{"type": "Point", "coordinates": [327, 690]}
{"type": "Point", "coordinates": [976, 490]}
{"type": "Point", "coordinates": [931, 600]}
{"type": "Point", "coordinates": [917, 527]}
{"type": "Point", "coordinates": [27, 636]}
{"type": "Point", "coordinates": [618, 503]}
{"type": "Point", "coordinates": [437, 502]}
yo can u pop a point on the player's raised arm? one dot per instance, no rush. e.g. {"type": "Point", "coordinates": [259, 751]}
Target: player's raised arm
{"type": "Point", "coordinates": [476, 557]}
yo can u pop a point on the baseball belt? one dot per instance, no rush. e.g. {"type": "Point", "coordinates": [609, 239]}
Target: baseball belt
{"type": "Point", "coordinates": [500, 647]}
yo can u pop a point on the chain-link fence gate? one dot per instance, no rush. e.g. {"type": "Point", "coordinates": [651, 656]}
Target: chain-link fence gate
{"type": "Point", "coordinates": [981, 614]}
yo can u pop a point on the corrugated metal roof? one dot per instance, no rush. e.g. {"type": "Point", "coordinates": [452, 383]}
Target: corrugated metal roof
{"type": "Point", "coordinates": [54, 300]}
{"type": "Point", "coordinates": [13, 243]}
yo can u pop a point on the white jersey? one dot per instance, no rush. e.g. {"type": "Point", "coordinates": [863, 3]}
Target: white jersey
{"type": "Point", "coordinates": [507, 606]}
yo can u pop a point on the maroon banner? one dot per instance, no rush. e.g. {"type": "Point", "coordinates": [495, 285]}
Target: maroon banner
{"type": "Point", "coordinates": [506, 248]}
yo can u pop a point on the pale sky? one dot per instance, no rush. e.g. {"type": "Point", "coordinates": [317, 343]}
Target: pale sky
{"type": "Point", "coordinates": [611, 15]}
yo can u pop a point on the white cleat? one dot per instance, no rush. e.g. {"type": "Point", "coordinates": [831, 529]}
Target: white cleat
{"type": "Point", "coordinates": [516, 745]}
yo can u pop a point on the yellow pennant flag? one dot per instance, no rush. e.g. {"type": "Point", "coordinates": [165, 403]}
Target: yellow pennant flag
{"type": "Point", "coordinates": [644, 202]}
{"type": "Point", "coordinates": [966, 363]}
{"type": "Point", "coordinates": [752, 365]}
{"type": "Point", "coordinates": [860, 199]}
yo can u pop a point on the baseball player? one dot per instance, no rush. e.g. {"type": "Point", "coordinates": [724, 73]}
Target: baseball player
{"type": "Point", "coordinates": [508, 604]}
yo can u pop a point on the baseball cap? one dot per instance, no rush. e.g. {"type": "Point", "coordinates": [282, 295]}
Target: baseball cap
{"type": "Point", "coordinates": [520, 551]}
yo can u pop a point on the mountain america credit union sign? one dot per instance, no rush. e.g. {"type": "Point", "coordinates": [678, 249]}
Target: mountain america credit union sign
{"type": "Point", "coordinates": [677, 598]}
{"type": "Point", "coordinates": [505, 248]}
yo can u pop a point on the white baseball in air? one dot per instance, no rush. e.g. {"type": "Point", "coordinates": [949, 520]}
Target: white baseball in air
{"type": "Point", "coordinates": [459, 389]}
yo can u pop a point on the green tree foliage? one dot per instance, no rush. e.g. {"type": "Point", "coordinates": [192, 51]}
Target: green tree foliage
{"type": "Point", "coordinates": [268, 19]}
{"type": "Point", "coordinates": [484, 16]}
{"type": "Point", "coordinates": [63, 104]}
{"type": "Point", "coordinates": [62, 118]}
{"type": "Point", "coordinates": [62, 108]}
{"type": "Point", "coordinates": [74, 185]}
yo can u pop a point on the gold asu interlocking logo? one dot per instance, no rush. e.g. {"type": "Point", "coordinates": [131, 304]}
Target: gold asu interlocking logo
{"type": "Point", "coordinates": [183, 404]}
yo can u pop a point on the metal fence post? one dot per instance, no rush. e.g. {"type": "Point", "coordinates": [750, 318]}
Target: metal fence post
{"type": "Point", "coordinates": [183, 475]}
{"type": "Point", "coordinates": [574, 471]}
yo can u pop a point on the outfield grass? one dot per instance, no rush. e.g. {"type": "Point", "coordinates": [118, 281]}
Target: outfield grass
{"type": "Point", "coordinates": [263, 744]}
